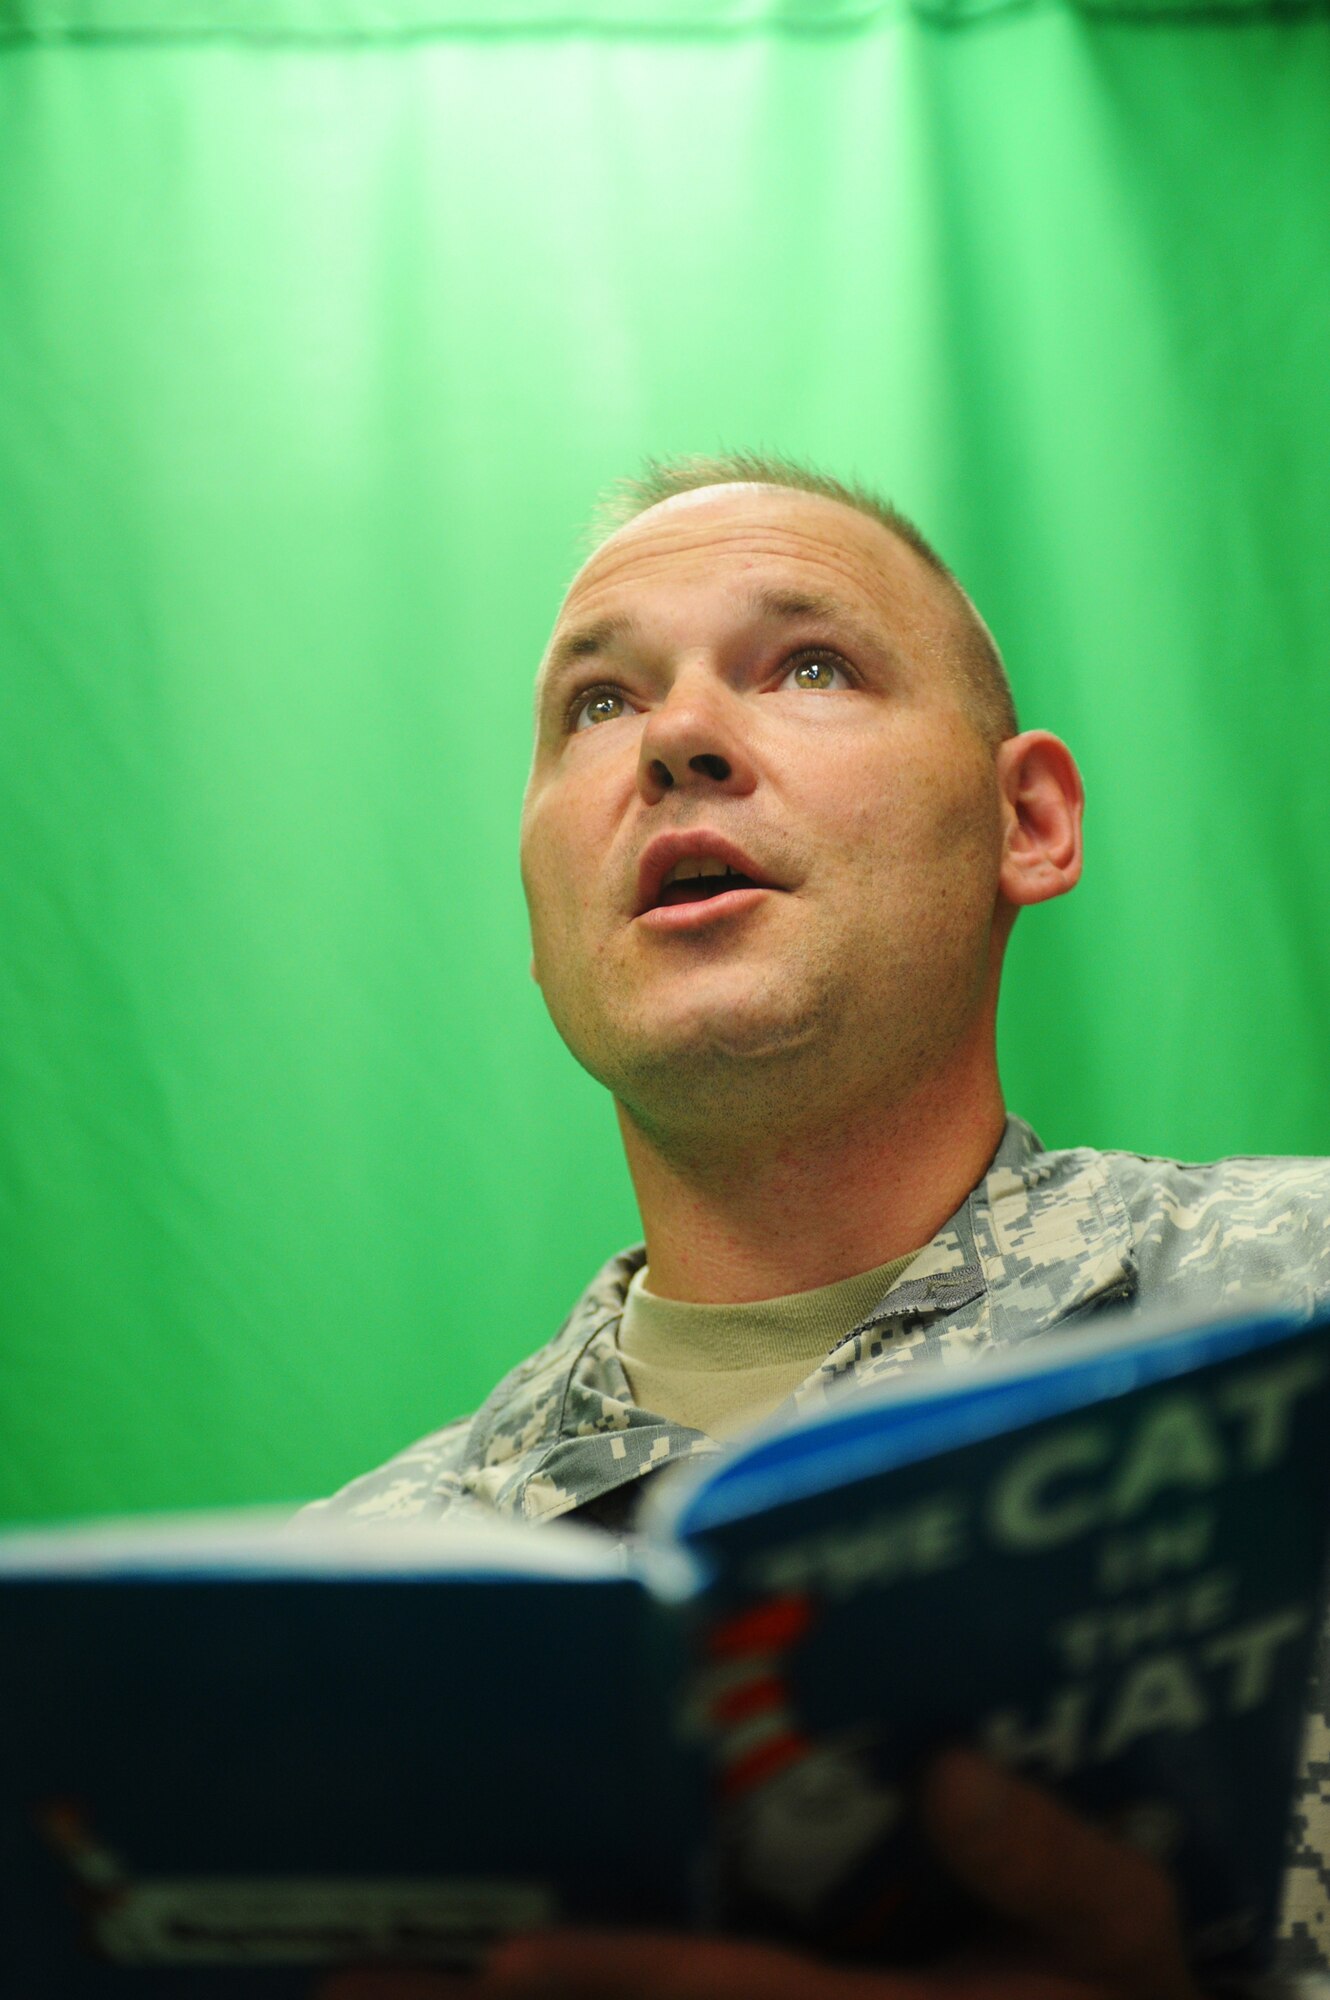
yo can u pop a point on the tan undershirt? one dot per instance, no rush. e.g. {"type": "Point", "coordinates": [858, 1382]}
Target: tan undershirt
{"type": "Point", "coordinates": [719, 1369]}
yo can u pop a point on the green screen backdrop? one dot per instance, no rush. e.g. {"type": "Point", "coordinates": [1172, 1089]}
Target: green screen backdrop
{"type": "Point", "coordinates": [322, 324]}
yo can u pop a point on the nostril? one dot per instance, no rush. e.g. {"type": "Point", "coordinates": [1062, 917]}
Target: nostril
{"type": "Point", "coordinates": [712, 767]}
{"type": "Point", "coordinates": [661, 773]}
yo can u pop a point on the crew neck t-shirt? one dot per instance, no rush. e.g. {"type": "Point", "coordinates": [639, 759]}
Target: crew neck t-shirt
{"type": "Point", "coordinates": [720, 1369]}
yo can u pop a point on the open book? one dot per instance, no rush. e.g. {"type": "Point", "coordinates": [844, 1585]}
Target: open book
{"type": "Point", "coordinates": [246, 1750]}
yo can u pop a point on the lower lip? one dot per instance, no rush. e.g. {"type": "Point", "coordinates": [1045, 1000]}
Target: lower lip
{"type": "Point", "coordinates": [695, 916]}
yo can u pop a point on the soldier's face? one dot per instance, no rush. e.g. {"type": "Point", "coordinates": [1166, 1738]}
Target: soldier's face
{"type": "Point", "coordinates": [830, 749]}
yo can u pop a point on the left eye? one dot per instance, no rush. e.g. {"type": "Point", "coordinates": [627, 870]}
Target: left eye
{"type": "Point", "coordinates": [814, 661]}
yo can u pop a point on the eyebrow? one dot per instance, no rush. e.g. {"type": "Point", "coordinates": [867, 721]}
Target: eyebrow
{"type": "Point", "coordinates": [767, 601]}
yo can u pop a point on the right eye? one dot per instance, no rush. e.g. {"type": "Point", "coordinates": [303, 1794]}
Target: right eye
{"type": "Point", "coordinates": [593, 705]}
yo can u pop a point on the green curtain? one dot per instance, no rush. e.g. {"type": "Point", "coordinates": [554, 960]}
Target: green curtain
{"type": "Point", "coordinates": [322, 323]}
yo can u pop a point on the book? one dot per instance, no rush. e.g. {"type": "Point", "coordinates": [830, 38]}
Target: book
{"type": "Point", "coordinates": [240, 1750]}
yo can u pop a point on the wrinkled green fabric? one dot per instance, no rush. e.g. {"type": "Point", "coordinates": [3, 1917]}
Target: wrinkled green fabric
{"type": "Point", "coordinates": [313, 357]}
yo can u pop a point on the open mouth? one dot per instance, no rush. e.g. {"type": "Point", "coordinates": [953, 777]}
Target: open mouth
{"type": "Point", "coordinates": [702, 887]}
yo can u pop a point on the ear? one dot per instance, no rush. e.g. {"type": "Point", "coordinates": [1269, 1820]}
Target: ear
{"type": "Point", "coordinates": [534, 974]}
{"type": "Point", "coordinates": [1042, 801]}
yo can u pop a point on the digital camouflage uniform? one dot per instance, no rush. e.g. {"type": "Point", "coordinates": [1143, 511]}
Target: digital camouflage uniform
{"type": "Point", "coordinates": [1045, 1240]}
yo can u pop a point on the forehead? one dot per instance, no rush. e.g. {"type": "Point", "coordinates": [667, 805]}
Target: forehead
{"type": "Point", "coordinates": [756, 552]}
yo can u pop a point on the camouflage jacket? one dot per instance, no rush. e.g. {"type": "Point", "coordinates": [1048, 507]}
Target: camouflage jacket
{"type": "Point", "coordinates": [1046, 1239]}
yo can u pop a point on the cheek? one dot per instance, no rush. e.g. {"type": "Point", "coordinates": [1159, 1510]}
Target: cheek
{"type": "Point", "coordinates": [561, 859]}
{"type": "Point", "coordinates": [927, 824]}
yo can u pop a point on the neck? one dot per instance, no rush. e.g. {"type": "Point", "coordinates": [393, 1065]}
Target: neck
{"type": "Point", "coordinates": [804, 1207]}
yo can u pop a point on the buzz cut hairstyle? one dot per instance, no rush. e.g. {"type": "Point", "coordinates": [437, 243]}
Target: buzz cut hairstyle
{"type": "Point", "coordinates": [981, 678]}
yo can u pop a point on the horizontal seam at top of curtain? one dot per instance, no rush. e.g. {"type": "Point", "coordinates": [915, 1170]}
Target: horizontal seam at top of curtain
{"type": "Point", "coordinates": [404, 20]}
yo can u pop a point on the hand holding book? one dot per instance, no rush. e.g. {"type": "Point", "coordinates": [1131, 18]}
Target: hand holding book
{"type": "Point", "coordinates": [1077, 1916]}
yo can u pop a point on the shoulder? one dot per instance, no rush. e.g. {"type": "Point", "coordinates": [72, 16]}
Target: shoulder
{"type": "Point", "coordinates": [1205, 1232]}
{"type": "Point", "coordinates": [480, 1461]}
{"type": "Point", "coordinates": [1265, 1206]}
{"type": "Point", "coordinates": [1249, 1181]}
{"type": "Point", "coordinates": [1073, 1230]}
{"type": "Point", "coordinates": [413, 1483]}
{"type": "Point", "coordinates": [437, 1474]}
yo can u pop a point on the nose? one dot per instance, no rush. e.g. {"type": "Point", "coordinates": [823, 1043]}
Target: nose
{"type": "Point", "coordinates": [695, 740]}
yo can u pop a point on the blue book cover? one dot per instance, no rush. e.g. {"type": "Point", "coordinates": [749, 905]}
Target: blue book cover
{"type": "Point", "coordinates": [237, 1752]}
{"type": "Point", "coordinates": [234, 1753]}
{"type": "Point", "coordinates": [1100, 1559]}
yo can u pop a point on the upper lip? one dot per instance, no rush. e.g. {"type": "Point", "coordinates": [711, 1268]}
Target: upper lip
{"type": "Point", "coordinates": [660, 855]}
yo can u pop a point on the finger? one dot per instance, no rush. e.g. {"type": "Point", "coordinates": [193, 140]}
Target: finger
{"type": "Point", "coordinates": [1108, 1911]}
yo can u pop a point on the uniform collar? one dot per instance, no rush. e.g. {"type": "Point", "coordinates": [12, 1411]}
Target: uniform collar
{"type": "Point", "coordinates": [1040, 1239]}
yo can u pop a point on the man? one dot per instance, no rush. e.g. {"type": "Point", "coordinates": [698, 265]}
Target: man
{"type": "Point", "coordinates": [779, 824]}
